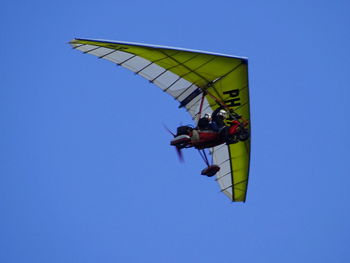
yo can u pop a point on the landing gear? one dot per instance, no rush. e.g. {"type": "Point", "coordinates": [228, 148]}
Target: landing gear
{"type": "Point", "coordinates": [243, 135]}
{"type": "Point", "coordinates": [211, 169]}
{"type": "Point", "coordinates": [232, 139]}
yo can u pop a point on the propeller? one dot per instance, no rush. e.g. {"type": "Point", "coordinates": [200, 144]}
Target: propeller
{"type": "Point", "coordinates": [168, 130]}
{"type": "Point", "coordinates": [178, 149]}
{"type": "Point", "coordinates": [179, 154]}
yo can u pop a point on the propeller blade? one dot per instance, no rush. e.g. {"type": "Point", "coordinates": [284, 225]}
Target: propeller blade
{"type": "Point", "coordinates": [179, 154]}
{"type": "Point", "coordinates": [168, 130]}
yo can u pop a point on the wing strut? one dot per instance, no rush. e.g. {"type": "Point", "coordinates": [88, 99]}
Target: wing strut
{"type": "Point", "coordinates": [211, 168]}
{"type": "Point", "coordinates": [204, 157]}
{"type": "Point", "coordinates": [201, 106]}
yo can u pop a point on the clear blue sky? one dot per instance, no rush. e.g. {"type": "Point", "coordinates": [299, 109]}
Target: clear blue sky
{"type": "Point", "coordinates": [86, 170]}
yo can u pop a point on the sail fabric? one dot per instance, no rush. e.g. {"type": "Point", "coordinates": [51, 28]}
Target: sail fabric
{"type": "Point", "coordinates": [233, 176]}
{"type": "Point", "coordinates": [186, 75]}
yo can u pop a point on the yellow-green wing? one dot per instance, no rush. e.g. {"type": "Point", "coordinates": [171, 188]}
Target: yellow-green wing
{"type": "Point", "coordinates": [233, 159]}
{"type": "Point", "coordinates": [185, 75]}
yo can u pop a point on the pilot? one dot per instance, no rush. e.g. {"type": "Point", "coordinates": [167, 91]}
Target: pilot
{"type": "Point", "coordinates": [218, 118]}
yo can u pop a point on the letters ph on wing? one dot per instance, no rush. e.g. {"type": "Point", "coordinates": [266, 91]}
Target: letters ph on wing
{"type": "Point", "coordinates": [234, 100]}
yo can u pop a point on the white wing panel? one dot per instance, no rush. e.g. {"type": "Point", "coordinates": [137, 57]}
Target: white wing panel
{"type": "Point", "coordinates": [151, 71]}
{"type": "Point", "coordinates": [85, 48]}
{"type": "Point", "coordinates": [165, 79]}
{"type": "Point", "coordinates": [101, 52]}
{"type": "Point", "coordinates": [223, 177]}
{"type": "Point", "coordinates": [118, 57]}
{"type": "Point", "coordinates": [136, 64]}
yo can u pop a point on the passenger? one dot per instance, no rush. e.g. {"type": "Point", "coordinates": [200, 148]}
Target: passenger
{"type": "Point", "coordinates": [204, 123]}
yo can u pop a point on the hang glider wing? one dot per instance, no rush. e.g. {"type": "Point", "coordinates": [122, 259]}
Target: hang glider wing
{"type": "Point", "coordinates": [233, 160]}
{"type": "Point", "coordinates": [185, 75]}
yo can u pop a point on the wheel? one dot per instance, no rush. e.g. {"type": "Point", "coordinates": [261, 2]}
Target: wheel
{"type": "Point", "coordinates": [232, 139]}
{"type": "Point", "coordinates": [210, 170]}
{"type": "Point", "coordinates": [243, 135]}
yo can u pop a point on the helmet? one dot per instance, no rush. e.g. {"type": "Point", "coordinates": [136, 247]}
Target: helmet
{"type": "Point", "coordinates": [223, 114]}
